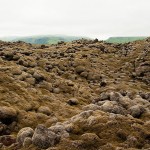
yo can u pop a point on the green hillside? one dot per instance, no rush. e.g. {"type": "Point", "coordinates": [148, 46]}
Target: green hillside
{"type": "Point", "coordinates": [124, 39]}
{"type": "Point", "coordinates": [42, 39]}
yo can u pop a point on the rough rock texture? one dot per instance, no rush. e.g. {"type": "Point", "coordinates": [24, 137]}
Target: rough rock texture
{"type": "Point", "coordinates": [24, 133]}
{"type": "Point", "coordinates": [43, 137]}
{"type": "Point", "coordinates": [87, 94]}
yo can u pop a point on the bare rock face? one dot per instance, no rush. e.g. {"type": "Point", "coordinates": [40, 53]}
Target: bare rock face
{"type": "Point", "coordinates": [43, 137]}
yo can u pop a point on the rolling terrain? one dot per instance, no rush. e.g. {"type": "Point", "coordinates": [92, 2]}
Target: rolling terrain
{"type": "Point", "coordinates": [124, 39]}
{"type": "Point", "coordinates": [54, 39]}
{"type": "Point", "coordinates": [79, 95]}
{"type": "Point", "coordinates": [43, 39]}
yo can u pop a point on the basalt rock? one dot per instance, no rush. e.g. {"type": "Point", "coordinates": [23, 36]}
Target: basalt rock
{"type": "Point", "coordinates": [43, 137]}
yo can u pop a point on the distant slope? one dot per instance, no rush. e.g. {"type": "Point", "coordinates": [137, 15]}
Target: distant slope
{"type": "Point", "coordinates": [42, 39]}
{"type": "Point", "coordinates": [124, 39]}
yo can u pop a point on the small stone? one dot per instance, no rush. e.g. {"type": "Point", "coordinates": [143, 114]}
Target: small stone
{"type": "Point", "coordinates": [57, 128]}
{"type": "Point", "coordinates": [24, 133]}
{"type": "Point", "coordinates": [7, 140]}
{"type": "Point", "coordinates": [136, 111]}
{"type": "Point", "coordinates": [95, 40]}
{"type": "Point", "coordinates": [7, 115]}
{"type": "Point", "coordinates": [110, 106]}
{"type": "Point", "coordinates": [69, 127]}
{"type": "Point", "coordinates": [30, 80]}
{"type": "Point", "coordinates": [131, 141]}
{"type": "Point", "coordinates": [145, 95]}
{"type": "Point", "coordinates": [43, 46]}
{"type": "Point", "coordinates": [91, 107]}
{"type": "Point", "coordinates": [73, 101]}
{"type": "Point", "coordinates": [84, 74]}
{"type": "Point", "coordinates": [27, 142]}
{"type": "Point", "coordinates": [122, 135]}
{"type": "Point", "coordinates": [104, 96]}
{"type": "Point", "coordinates": [103, 83]}
{"type": "Point", "coordinates": [123, 92]}
{"type": "Point", "coordinates": [80, 69]}
{"type": "Point", "coordinates": [56, 90]}
{"type": "Point", "coordinates": [51, 121]}
{"type": "Point", "coordinates": [114, 96]}
{"type": "Point", "coordinates": [86, 114]}
{"type": "Point", "coordinates": [9, 55]}
{"type": "Point", "coordinates": [1, 145]}
{"type": "Point", "coordinates": [39, 77]}
{"type": "Point", "coordinates": [16, 71]}
{"type": "Point", "coordinates": [107, 105]}
{"type": "Point", "coordinates": [44, 110]}
{"type": "Point", "coordinates": [90, 139]}
{"type": "Point", "coordinates": [45, 85]}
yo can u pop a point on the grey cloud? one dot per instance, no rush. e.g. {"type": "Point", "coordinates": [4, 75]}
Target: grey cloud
{"type": "Point", "coordinates": [93, 18]}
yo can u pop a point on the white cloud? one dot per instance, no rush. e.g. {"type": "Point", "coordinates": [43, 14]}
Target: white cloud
{"type": "Point", "coordinates": [92, 18]}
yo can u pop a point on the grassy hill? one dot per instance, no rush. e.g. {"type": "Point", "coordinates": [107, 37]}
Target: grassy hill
{"type": "Point", "coordinates": [49, 39]}
{"type": "Point", "coordinates": [53, 39]}
{"type": "Point", "coordinates": [124, 39]}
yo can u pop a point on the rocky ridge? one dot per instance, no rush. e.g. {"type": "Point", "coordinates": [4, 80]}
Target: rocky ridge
{"type": "Point", "coordinates": [85, 94]}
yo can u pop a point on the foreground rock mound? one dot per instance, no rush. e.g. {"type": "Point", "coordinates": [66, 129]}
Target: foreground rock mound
{"type": "Point", "coordinates": [43, 137]}
{"type": "Point", "coordinates": [82, 95]}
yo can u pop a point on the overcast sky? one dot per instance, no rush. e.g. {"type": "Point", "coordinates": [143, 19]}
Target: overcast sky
{"type": "Point", "coordinates": [91, 18]}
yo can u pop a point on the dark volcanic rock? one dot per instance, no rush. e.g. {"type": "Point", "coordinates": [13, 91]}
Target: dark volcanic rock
{"type": "Point", "coordinates": [43, 137]}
